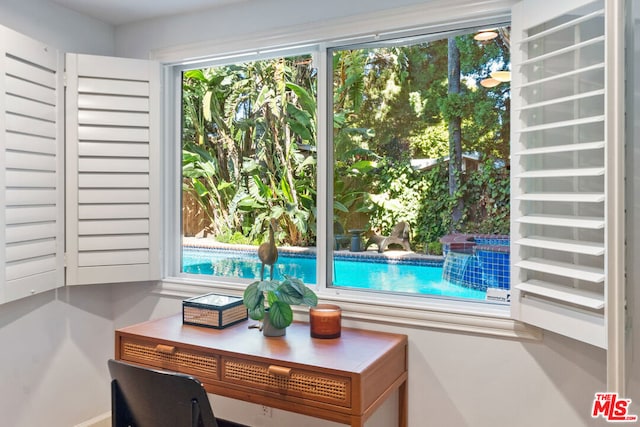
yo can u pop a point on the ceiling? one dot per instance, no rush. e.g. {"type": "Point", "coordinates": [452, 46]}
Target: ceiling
{"type": "Point", "coordinates": [117, 12]}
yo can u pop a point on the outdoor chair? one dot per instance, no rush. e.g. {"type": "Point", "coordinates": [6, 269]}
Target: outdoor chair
{"type": "Point", "coordinates": [399, 235]}
{"type": "Point", "coordinates": [142, 397]}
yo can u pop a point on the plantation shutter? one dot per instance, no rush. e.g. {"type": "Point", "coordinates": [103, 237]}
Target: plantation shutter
{"type": "Point", "coordinates": [567, 171]}
{"type": "Point", "coordinates": [112, 170]}
{"type": "Point", "coordinates": [31, 172]}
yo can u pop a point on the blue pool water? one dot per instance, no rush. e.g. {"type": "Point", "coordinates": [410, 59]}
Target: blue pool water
{"type": "Point", "coordinates": [348, 272]}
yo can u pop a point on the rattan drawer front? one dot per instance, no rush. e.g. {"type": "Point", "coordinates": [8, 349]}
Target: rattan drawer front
{"type": "Point", "coordinates": [170, 358]}
{"type": "Point", "coordinates": [305, 384]}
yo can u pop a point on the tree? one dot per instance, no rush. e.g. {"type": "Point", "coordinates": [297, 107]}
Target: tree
{"type": "Point", "coordinates": [455, 131]}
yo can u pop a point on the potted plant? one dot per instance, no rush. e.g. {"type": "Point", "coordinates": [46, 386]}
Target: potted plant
{"type": "Point", "coordinates": [271, 300]}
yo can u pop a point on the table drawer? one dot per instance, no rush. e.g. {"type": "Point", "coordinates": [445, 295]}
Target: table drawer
{"type": "Point", "coordinates": [285, 380]}
{"type": "Point", "coordinates": [168, 357]}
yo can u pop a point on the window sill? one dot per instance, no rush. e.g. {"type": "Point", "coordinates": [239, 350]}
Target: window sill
{"type": "Point", "coordinates": [473, 318]}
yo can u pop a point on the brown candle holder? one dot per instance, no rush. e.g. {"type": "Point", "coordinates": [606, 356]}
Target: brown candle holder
{"type": "Point", "coordinates": [325, 320]}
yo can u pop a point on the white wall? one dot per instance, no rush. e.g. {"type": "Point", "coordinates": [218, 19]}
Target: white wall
{"type": "Point", "coordinates": [53, 357]}
{"type": "Point", "coordinates": [58, 26]}
{"type": "Point", "coordinates": [270, 18]}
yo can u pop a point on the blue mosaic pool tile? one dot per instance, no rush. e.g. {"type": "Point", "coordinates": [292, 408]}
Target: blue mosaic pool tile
{"type": "Point", "coordinates": [486, 267]}
{"type": "Point", "coordinates": [494, 267]}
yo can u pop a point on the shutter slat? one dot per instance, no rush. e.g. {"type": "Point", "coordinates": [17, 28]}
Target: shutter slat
{"type": "Point", "coordinates": [562, 173]}
{"type": "Point", "coordinates": [25, 71]}
{"type": "Point", "coordinates": [30, 161]}
{"type": "Point", "coordinates": [113, 180]}
{"type": "Point", "coordinates": [593, 223]}
{"type": "Point", "coordinates": [27, 214]}
{"type": "Point", "coordinates": [563, 197]}
{"type": "Point", "coordinates": [30, 144]}
{"type": "Point", "coordinates": [31, 197]}
{"type": "Point", "coordinates": [598, 145]}
{"type": "Point", "coordinates": [26, 179]}
{"type": "Point", "coordinates": [107, 86]}
{"type": "Point", "coordinates": [115, 258]}
{"type": "Point", "coordinates": [93, 164]}
{"type": "Point", "coordinates": [113, 118]}
{"type": "Point", "coordinates": [564, 245]}
{"type": "Point", "coordinates": [556, 101]}
{"type": "Point", "coordinates": [99, 133]}
{"type": "Point", "coordinates": [30, 90]}
{"type": "Point", "coordinates": [562, 51]}
{"type": "Point", "coordinates": [102, 243]}
{"type": "Point", "coordinates": [30, 126]}
{"type": "Point", "coordinates": [584, 298]}
{"type": "Point", "coordinates": [113, 196]}
{"type": "Point", "coordinates": [102, 211]}
{"type": "Point", "coordinates": [32, 249]}
{"type": "Point", "coordinates": [30, 108]}
{"type": "Point", "coordinates": [125, 226]}
{"type": "Point", "coordinates": [564, 269]}
{"type": "Point", "coordinates": [113, 103]}
{"type": "Point", "coordinates": [562, 124]}
{"type": "Point", "coordinates": [565, 25]}
{"type": "Point", "coordinates": [25, 232]}
{"type": "Point", "coordinates": [102, 149]}
{"type": "Point", "coordinates": [17, 270]}
{"type": "Point", "coordinates": [559, 76]}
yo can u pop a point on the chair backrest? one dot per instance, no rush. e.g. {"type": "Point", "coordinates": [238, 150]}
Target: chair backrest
{"type": "Point", "coordinates": [401, 230]}
{"type": "Point", "coordinates": [144, 397]}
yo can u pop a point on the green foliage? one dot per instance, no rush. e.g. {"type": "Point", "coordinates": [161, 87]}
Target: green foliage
{"type": "Point", "coordinates": [250, 130]}
{"type": "Point", "coordinates": [487, 200]}
{"type": "Point", "coordinates": [422, 199]}
{"type": "Point", "coordinates": [235, 238]}
{"type": "Point", "coordinates": [243, 161]}
{"type": "Point", "coordinates": [277, 297]}
{"type": "Point", "coordinates": [434, 248]}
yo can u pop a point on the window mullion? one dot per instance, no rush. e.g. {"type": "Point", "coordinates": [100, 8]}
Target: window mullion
{"type": "Point", "coordinates": [324, 184]}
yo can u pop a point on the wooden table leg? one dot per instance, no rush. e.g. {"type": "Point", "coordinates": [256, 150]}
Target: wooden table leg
{"type": "Point", "coordinates": [357, 422]}
{"type": "Point", "coordinates": [403, 405]}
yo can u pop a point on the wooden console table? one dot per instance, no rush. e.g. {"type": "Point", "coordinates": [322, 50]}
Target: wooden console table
{"type": "Point", "coordinates": [343, 380]}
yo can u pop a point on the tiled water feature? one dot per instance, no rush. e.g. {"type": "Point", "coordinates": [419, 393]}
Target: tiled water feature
{"type": "Point", "coordinates": [477, 261]}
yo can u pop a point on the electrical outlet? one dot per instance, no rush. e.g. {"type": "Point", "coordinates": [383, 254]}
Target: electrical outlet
{"type": "Point", "coordinates": [266, 411]}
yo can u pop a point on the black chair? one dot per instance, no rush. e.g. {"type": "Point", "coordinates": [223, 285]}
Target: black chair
{"type": "Point", "coordinates": [142, 397]}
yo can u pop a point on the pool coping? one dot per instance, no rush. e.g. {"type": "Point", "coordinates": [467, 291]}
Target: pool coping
{"type": "Point", "coordinates": [372, 255]}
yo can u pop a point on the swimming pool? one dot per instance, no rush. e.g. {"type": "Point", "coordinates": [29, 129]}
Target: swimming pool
{"type": "Point", "coordinates": [350, 272]}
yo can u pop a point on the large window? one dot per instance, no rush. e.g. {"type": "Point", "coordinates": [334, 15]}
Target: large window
{"type": "Point", "coordinates": [420, 137]}
{"type": "Point", "coordinates": [249, 169]}
{"type": "Point", "coordinates": [418, 162]}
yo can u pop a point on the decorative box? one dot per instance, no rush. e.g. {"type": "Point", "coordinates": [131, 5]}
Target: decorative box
{"type": "Point", "coordinates": [213, 311]}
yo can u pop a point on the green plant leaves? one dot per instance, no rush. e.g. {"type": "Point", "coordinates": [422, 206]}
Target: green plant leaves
{"type": "Point", "coordinates": [253, 299]}
{"type": "Point", "coordinates": [280, 314]}
{"type": "Point", "coordinates": [278, 296]}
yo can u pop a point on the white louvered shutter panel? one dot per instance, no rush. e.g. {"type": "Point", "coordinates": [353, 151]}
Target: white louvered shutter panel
{"type": "Point", "coordinates": [31, 177]}
{"type": "Point", "coordinates": [562, 169]}
{"type": "Point", "coordinates": [112, 170]}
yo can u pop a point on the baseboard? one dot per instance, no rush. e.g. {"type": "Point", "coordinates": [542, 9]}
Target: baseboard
{"type": "Point", "coordinates": [103, 420]}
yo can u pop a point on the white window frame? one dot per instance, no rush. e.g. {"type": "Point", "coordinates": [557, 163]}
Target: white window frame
{"type": "Point", "coordinates": [421, 311]}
